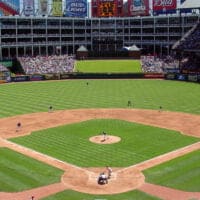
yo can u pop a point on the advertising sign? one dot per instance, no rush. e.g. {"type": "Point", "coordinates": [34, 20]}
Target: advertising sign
{"type": "Point", "coordinates": [28, 7]}
{"type": "Point", "coordinates": [20, 78]}
{"type": "Point", "coordinates": [193, 77]}
{"type": "Point", "coordinates": [182, 77]}
{"type": "Point", "coordinates": [198, 76]}
{"type": "Point", "coordinates": [43, 7]}
{"type": "Point", "coordinates": [107, 8]}
{"type": "Point", "coordinates": [164, 5]}
{"type": "Point", "coordinates": [76, 8]}
{"type": "Point", "coordinates": [57, 8]}
{"type": "Point", "coordinates": [14, 4]}
{"type": "Point", "coordinates": [11, 7]}
{"type": "Point", "coordinates": [138, 7]}
{"type": "Point", "coordinates": [170, 76]}
{"type": "Point", "coordinates": [37, 77]}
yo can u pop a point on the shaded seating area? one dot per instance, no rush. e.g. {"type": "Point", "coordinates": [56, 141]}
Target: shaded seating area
{"type": "Point", "coordinates": [192, 41]}
{"type": "Point", "coordinates": [190, 64]}
{"type": "Point", "coordinates": [189, 51]}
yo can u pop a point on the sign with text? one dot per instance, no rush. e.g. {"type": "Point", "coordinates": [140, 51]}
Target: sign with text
{"type": "Point", "coordinates": [138, 7]}
{"type": "Point", "coordinates": [28, 7]}
{"type": "Point", "coordinates": [164, 5]}
{"type": "Point", "coordinates": [76, 8]}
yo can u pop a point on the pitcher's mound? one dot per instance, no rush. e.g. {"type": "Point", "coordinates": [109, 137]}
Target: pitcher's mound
{"type": "Point", "coordinates": [110, 139]}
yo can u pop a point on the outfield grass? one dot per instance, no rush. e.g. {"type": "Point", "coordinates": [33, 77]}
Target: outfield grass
{"type": "Point", "coordinates": [31, 97]}
{"type": "Point", "coordinates": [19, 172]}
{"type": "Point", "coordinates": [108, 66]}
{"type": "Point", "coordinates": [137, 195]}
{"type": "Point", "coordinates": [181, 173]}
{"type": "Point", "coordinates": [138, 143]}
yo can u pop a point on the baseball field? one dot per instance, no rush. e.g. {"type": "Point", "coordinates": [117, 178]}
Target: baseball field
{"type": "Point", "coordinates": [108, 66]}
{"type": "Point", "coordinates": [58, 155]}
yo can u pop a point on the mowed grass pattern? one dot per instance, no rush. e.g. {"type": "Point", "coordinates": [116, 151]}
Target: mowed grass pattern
{"type": "Point", "coordinates": [138, 143]}
{"type": "Point", "coordinates": [182, 173]}
{"type": "Point", "coordinates": [32, 97]}
{"type": "Point", "coordinates": [108, 66]}
{"type": "Point", "coordinates": [19, 172]}
{"type": "Point", "coordinates": [137, 195]}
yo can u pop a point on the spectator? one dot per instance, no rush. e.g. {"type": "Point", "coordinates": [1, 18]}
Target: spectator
{"type": "Point", "coordinates": [47, 64]}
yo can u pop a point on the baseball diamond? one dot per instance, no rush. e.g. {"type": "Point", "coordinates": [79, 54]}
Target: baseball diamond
{"type": "Point", "coordinates": [99, 100]}
{"type": "Point", "coordinates": [84, 179]}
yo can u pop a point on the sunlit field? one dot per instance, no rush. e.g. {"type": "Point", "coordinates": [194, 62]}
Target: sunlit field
{"type": "Point", "coordinates": [108, 66]}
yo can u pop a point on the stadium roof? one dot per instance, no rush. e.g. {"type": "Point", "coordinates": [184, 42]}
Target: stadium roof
{"type": "Point", "coordinates": [82, 49]}
{"type": "Point", "coordinates": [133, 48]}
{"type": "Point", "coordinates": [191, 4]}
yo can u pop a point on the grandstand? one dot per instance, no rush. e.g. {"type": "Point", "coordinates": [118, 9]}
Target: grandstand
{"type": "Point", "coordinates": [53, 122]}
{"type": "Point", "coordinates": [47, 64]}
{"type": "Point", "coordinates": [44, 35]}
{"type": "Point", "coordinates": [2, 68]}
{"type": "Point", "coordinates": [188, 51]}
{"type": "Point", "coordinates": [21, 36]}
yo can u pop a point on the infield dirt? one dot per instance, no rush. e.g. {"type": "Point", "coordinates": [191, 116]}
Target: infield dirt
{"type": "Point", "coordinates": [85, 179]}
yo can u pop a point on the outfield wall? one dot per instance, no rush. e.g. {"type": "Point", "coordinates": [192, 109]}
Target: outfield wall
{"type": "Point", "coordinates": [183, 77]}
{"type": "Point", "coordinates": [169, 76]}
{"type": "Point", "coordinates": [87, 76]}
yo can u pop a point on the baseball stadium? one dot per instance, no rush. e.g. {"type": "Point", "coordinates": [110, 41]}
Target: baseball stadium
{"type": "Point", "coordinates": [99, 100]}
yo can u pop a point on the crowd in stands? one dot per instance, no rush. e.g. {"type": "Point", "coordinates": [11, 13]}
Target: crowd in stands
{"type": "Point", "coordinates": [53, 64]}
{"type": "Point", "coordinates": [192, 41]}
{"type": "Point", "coordinates": [191, 64]}
{"type": "Point", "coordinates": [188, 60]}
{"type": "Point", "coordinates": [3, 68]}
{"type": "Point", "coordinates": [190, 48]}
{"type": "Point", "coordinates": [155, 64]}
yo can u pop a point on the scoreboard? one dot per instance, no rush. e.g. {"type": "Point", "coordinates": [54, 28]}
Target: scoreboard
{"type": "Point", "coordinates": [107, 9]}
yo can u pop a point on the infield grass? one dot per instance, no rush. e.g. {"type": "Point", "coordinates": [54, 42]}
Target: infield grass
{"type": "Point", "coordinates": [137, 195]}
{"type": "Point", "coordinates": [182, 173]}
{"type": "Point", "coordinates": [138, 143]}
{"type": "Point", "coordinates": [19, 172]}
{"type": "Point", "coordinates": [32, 97]}
{"type": "Point", "coordinates": [108, 66]}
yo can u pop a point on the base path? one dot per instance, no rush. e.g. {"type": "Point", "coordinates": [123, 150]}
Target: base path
{"type": "Point", "coordinates": [38, 193]}
{"type": "Point", "coordinates": [85, 180]}
{"type": "Point", "coordinates": [186, 123]}
{"type": "Point", "coordinates": [168, 193]}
